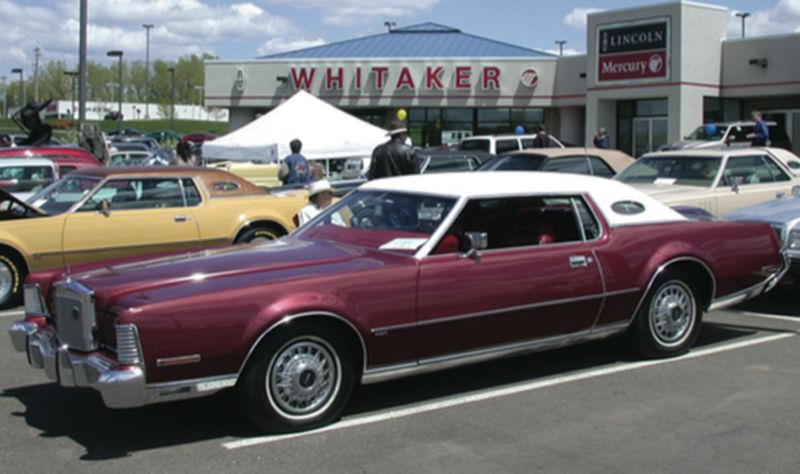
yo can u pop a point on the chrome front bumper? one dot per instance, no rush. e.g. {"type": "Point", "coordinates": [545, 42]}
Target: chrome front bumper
{"type": "Point", "coordinates": [121, 386]}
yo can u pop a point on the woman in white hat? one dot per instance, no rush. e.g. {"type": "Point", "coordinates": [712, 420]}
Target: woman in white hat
{"type": "Point", "coordinates": [320, 196]}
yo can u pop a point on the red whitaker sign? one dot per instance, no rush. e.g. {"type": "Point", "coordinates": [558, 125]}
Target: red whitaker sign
{"type": "Point", "coordinates": [632, 66]}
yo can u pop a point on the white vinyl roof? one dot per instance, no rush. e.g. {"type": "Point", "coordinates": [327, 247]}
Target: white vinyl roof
{"type": "Point", "coordinates": [9, 162]}
{"type": "Point", "coordinates": [604, 192]}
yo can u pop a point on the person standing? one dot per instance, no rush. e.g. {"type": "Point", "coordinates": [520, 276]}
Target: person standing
{"type": "Point", "coordinates": [761, 133]}
{"type": "Point", "coordinates": [297, 168]}
{"type": "Point", "coordinates": [393, 158]}
{"type": "Point", "coordinates": [320, 196]}
{"type": "Point", "coordinates": [542, 139]}
{"type": "Point", "coordinates": [601, 139]}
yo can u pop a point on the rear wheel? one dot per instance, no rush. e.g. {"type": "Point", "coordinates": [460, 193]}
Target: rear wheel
{"type": "Point", "coordinates": [261, 233]}
{"type": "Point", "coordinates": [12, 274]}
{"type": "Point", "coordinates": [299, 378]}
{"type": "Point", "coordinates": [669, 319]}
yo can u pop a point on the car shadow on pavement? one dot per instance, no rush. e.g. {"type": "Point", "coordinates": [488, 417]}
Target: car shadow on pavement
{"type": "Point", "coordinates": [513, 370]}
{"type": "Point", "coordinates": [79, 413]}
{"type": "Point", "coordinates": [783, 301]}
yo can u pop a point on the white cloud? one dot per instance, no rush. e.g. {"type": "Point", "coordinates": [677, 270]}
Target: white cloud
{"type": "Point", "coordinates": [348, 12]}
{"type": "Point", "coordinates": [576, 19]}
{"type": "Point", "coordinates": [279, 45]}
{"type": "Point", "coordinates": [782, 18]}
{"type": "Point", "coordinates": [181, 27]}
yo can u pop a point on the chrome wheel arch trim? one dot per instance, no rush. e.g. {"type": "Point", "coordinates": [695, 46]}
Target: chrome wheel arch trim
{"type": "Point", "coordinates": [661, 268]}
{"type": "Point", "coordinates": [293, 317]}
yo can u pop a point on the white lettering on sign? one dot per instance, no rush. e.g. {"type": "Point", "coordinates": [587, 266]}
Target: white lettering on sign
{"type": "Point", "coordinates": [630, 67]}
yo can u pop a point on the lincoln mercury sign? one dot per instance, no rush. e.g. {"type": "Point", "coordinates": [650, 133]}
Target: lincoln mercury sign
{"type": "Point", "coordinates": [633, 51]}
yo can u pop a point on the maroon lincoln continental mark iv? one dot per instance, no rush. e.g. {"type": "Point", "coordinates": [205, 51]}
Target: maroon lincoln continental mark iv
{"type": "Point", "coordinates": [403, 276]}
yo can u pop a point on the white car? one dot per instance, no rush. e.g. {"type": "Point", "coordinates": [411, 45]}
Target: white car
{"type": "Point", "coordinates": [718, 181]}
{"type": "Point", "coordinates": [499, 144]}
{"type": "Point", "coordinates": [23, 177]}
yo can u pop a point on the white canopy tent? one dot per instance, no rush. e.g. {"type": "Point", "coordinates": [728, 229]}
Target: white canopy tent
{"type": "Point", "coordinates": [326, 132]}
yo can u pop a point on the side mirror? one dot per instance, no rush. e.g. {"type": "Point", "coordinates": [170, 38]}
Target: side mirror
{"type": "Point", "coordinates": [477, 241]}
{"type": "Point", "coordinates": [736, 181]}
{"type": "Point", "coordinates": [104, 207]}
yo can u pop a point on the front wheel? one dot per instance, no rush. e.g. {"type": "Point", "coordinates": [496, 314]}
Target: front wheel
{"type": "Point", "coordinates": [299, 378]}
{"type": "Point", "coordinates": [12, 274]}
{"type": "Point", "coordinates": [260, 234]}
{"type": "Point", "coordinates": [668, 321]}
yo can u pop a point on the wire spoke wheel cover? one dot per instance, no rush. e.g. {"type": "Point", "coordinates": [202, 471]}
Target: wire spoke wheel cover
{"type": "Point", "coordinates": [7, 279]}
{"type": "Point", "coordinates": [672, 314]}
{"type": "Point", "coordinates": [303, 378]}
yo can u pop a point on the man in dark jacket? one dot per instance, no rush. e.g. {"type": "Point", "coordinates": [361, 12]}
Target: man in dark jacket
{"type": "Point", "coordinates": [297, 168]}
{"type": "Point", "coordinates": [542, 139]}
{"type": "Point", "coordinates": [393, 158]}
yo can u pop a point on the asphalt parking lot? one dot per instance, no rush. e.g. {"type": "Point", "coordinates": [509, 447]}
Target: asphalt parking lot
{"type": "Point", "coordinates": [731, 405]}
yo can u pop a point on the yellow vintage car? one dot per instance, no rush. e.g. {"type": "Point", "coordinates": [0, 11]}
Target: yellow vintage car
{"type": "Point", "coordinates": [106, 213]}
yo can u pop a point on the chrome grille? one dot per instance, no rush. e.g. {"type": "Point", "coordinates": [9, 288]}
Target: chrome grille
{"type": "Point", "coordinates": [75, 315]}
{"type": "Point", "coordinates": [128, 352]}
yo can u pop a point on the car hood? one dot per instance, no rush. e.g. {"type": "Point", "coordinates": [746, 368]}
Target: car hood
{"type": "Point", "coordinates": [241, 265]}
{"type": "Point", "coordinates": [779, 211]}
{"type": "Point", "coordinates": [671, 193]}
{"type": "Point", "coordinates": [30, 211]}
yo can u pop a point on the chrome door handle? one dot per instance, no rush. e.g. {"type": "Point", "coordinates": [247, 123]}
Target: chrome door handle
{"type": "Point", "coordinates": [181, 218]}
{"type": "Point", "coordinates": [577, 261]}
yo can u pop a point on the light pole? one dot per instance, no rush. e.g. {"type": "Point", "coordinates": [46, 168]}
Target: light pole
{"type": "Point", "coordinates": [171, 71]}
{"type": "Point", "coordinates": [82, 69]}
{"type": "Point", "coordinates": [5, 96]}
{"type": "Point", "coordinates": [18, 70]}
{"type": "Point", "coordinates": [72, 75]}
{"type": "Point", "coordinates": [743, 16]}
{"type": "Point", "coordinates": [199, 90]}
{"type": "Point", "coordinates": [561, 44]}
{"type": "Point", "coordinates": [147, 27]}
{"type": "Point", "coordinates": [115, 53]}
{"type": "Point", "coordinates": [37, 52]}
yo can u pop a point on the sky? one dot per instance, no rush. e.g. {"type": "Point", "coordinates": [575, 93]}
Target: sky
{"type": "Point", "coordinates": [243, 29]}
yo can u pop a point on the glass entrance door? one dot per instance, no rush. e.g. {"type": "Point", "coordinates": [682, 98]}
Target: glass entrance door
{"type": "Point", "coordinates": [649, 133]}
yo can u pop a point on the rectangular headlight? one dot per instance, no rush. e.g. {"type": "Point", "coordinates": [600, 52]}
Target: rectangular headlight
{"type": "Point", "coordinates": [793, 239]}
{"type": "Point", "coordinates": [34, 303]}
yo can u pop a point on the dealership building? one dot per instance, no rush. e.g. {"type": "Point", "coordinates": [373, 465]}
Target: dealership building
{"type": "Point", "coordinates": [651, 75]}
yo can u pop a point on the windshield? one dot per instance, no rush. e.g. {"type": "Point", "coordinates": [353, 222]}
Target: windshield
{"type": "Point", "coordinates": [391, 221]}
{"type": "Point", "coordinates": [63, 194]}
{"type": "Point", "coordinates": [522, 162]}
{"type": "Point", "coordinates": [709, 131]}
{"type": "Point", "coordinates": [475, 144]}
{"type": "Point", "coordinates": [685, 170]}
{"type": "Point", "coordinates": [25, 179]}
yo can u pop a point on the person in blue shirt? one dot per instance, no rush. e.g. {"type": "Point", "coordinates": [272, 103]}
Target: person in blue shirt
{"type": "Point", "coordinates": [297, 169]}
{"type": "Point", "coordinates": [601, 139]}
{"type": "Point", "coordinates": [761, 135]}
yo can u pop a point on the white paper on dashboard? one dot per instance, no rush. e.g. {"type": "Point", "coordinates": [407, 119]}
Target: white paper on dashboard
{"type": "Point", "coordinates": [403, 243]}
{"type": "Point", "coordinates": [665, 180]}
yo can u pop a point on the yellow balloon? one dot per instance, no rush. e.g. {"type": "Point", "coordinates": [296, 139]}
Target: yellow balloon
{"type": "Point", "coordinates": [402, 114]}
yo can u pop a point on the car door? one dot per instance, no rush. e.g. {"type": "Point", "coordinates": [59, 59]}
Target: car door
{"type": "Point", "coordinates": [145, 215]}
{"type": "Point", "coordinates": [748, 180]}
{"type": "Point", "coordinates": [537, 278]}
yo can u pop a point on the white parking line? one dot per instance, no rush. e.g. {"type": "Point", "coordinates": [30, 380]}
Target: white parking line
{"type": "Point", "coordinates": [501, 392]}
{"type": "Point", "coordinates": [794, 319]}
{"type": "Point", "coordinates": [14, 313]}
